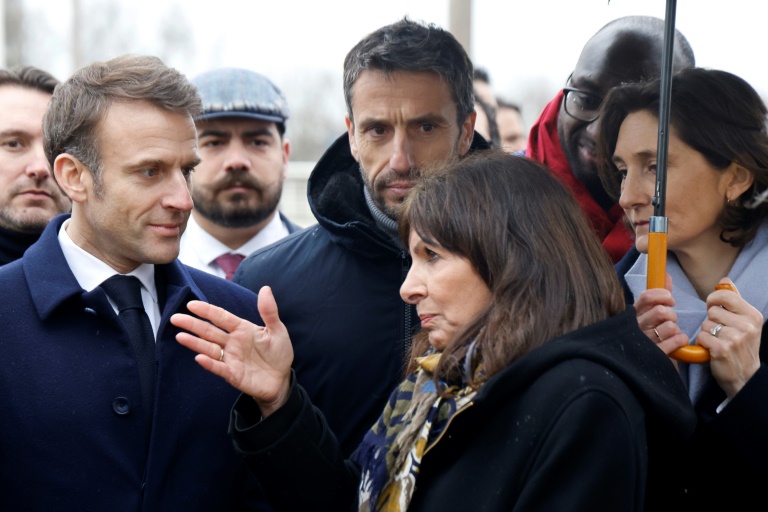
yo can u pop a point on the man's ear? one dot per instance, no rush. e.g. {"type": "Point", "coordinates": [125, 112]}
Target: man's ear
{"type": "Point", "coordinates": [286, 158]}
{"type": "Point", "coordinates": [352, 141]}
{"type": "Point", "coordinates": [73, 177]}
{"type": "Point", "coordinates": [467, 133]}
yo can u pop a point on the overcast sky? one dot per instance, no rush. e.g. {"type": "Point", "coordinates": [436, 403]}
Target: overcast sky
{"type": "Point", "coordinates": [513, 39]}
{"type": "Point", "coordinates": [517, 41]}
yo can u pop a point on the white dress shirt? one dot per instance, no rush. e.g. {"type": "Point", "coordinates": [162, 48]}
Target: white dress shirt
{"type": "Point", "coordinates": [199, 248]}
{"type": "Point", "coordinates": [90, 272]}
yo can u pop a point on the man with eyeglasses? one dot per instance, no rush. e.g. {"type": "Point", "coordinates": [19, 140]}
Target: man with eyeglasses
{"type": "Point", "coordinates": [627, 49]}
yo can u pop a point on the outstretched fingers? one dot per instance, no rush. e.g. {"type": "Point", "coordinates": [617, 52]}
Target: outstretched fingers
{"type": "Point", "coordinates": [200, 328]}
{"type": "Point", "coordinates": [210, 355]}
{"type": "Point", "coordinates": [219, 317]}
{"type": "Point", "coordinates": [208, 335]}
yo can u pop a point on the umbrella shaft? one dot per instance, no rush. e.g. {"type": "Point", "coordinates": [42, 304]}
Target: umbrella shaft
{"type": "Point", "coordinates": [656, 272]}
{"type": "Point", "coordinates": [665, 106]}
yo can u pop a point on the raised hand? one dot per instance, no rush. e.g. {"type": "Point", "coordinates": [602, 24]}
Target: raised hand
{"type": "Point", "coordinates": [256, 360]}
{"type": "Point", "coordinates": [734, 347]}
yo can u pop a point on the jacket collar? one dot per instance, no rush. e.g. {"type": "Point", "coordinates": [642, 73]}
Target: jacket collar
{"type": "Point", "coordinates": [51, 282]}
{"type": "Point", "coordinates": [335, 194]}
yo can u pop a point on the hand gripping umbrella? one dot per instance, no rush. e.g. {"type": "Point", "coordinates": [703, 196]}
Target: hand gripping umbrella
{"type": "Point", "coordinates": [657, 233]}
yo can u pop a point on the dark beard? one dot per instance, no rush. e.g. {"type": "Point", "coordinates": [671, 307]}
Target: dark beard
{"type": "Point", "coordinates": [234, 215]}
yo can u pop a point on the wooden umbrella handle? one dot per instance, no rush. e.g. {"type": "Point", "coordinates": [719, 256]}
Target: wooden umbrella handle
{"type": "Point", "coordinates": [697, 354]}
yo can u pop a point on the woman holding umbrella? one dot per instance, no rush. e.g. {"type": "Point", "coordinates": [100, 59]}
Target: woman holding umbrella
{"type": "Point", "coordinates": [717, 206]}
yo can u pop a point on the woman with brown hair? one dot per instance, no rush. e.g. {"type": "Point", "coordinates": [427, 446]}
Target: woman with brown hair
{"type": "Point", "coordinates": [717, 184]}
{"type": "Point", "coordinates": [532, 389]}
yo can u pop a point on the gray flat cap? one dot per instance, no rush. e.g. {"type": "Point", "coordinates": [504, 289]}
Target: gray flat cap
{"type": "Point", "coordinates": [233, 92]}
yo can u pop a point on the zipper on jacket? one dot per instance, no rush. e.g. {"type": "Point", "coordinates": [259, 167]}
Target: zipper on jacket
{"type": "Point", "coordinates": [405, 266]}
{"type": "Point", "coordinates": [447, 425]}
{"type": "Point", "coordinates": [407, 335]}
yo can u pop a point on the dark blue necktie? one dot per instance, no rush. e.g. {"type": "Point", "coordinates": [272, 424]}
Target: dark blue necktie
{"type": "Point", "coordinates": [125, 292]}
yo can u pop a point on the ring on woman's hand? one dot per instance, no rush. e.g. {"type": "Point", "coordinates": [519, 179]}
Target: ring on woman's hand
{"type": "Point", "coordinates": [716, 329]}
{"type": "Point", "coordinates": [657, 334]}
{"type": "Point", "coordinates": [221, 357]}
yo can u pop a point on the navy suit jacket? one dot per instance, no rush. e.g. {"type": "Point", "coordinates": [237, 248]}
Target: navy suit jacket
{"type": "Point", "coordinates": [72, 434]}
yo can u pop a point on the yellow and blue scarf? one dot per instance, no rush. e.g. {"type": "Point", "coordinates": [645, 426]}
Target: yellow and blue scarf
{"type": "Point", "coordinates": [391, 452]}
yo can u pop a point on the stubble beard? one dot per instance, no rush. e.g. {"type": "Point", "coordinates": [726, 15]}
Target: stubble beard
{"type": "Point", "coordinates": [30, 219]}
{"type": "Point", "coordinates": [414, 174]}
{"type": "Point", "coordinates": [391, 211]}
{"type": "Point", "coordinates": [24, 223]}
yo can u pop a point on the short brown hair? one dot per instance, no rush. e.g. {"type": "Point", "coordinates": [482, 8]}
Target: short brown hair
{"type": "Point", "coordinates": [29, 77]}
{"type": "Point", "coordinates": [413, 47]}
{"type": "Point", "coordinates": [528, 240]}
{"type": "Point", "coordinates": [79, 104]}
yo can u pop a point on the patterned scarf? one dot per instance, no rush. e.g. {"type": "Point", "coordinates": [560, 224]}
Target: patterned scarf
{"type": "Point", "coordinates": [544, 146]}
{"type": "Point", "coordinates": [413, 420]}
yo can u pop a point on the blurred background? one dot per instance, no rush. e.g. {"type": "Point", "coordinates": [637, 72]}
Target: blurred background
{"type": "Point", "coordinates": [527, 47]}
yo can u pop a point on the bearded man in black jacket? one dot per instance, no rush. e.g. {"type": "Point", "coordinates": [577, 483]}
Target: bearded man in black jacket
{"type": "Point", "coordinates": [29, 196]}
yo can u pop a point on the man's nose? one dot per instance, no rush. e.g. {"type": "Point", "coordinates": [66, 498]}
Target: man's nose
{"type": "Point", "coordinates": [37, 166]}
{"type": "Point", "coordinates": [401, 160]}
{"type": "Point", "coordinates": [236, 158]}
{"type": "Point", "coordinates": [177, 196]}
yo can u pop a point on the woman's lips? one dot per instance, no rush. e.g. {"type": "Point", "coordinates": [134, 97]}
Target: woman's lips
{"type": "Point", "coordinates": [425, 319]}
{"type": "Point", "coordinates": [640, 225]}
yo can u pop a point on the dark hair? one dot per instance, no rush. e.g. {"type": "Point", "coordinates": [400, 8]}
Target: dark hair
{"type": "Point", "coordinates": [29, 77]}
{"type": "Point", "coordinates": [717, 114]}
{"type": "Point", "coordinates": [515, 223]}
{"type": "Point", "coordinates": [79, 104]}
{"type": "Point", "coordinates": [493, 124]}
{"type": "Point", "coordinates": [480, 74]}
{"type": "Point", "coordinates": [415, 48]}
{"type": "Point", "coordinates": [502, 103]}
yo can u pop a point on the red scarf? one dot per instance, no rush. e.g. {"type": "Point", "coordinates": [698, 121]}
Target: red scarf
{"type": "Point", "coordinates": [544, 146]}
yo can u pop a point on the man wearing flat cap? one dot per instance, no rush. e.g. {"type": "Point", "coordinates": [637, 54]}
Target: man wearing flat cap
{"type": "Point", "coordinates": [237, 186]}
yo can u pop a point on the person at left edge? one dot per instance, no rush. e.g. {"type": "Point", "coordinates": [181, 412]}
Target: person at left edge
{"type": "Point", "coordinates": [244, 162]}
{"type": "Point", "coordinates": [29, 197]}
{"type": "Point", "coordinates": [79, 432]}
